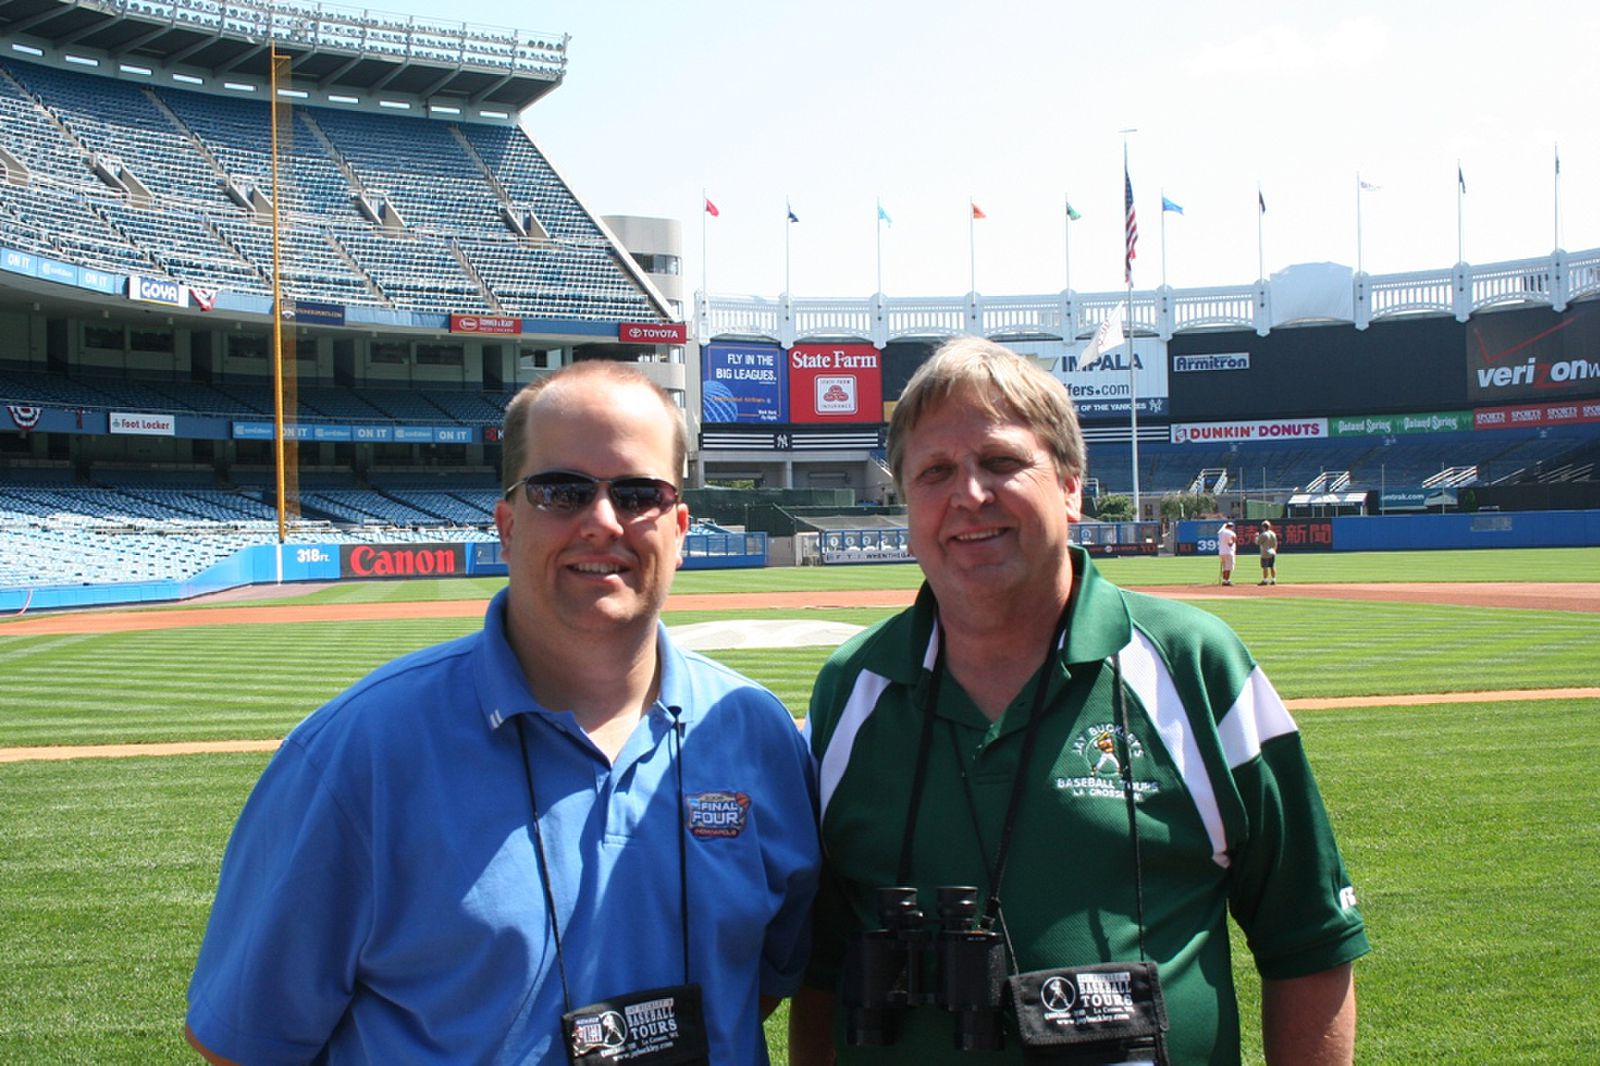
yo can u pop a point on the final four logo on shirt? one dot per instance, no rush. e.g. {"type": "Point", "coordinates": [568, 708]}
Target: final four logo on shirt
{"type": "Point", "coordinates": [717, 814]}
{"type": "Point", "coordinates": [1095, 766]}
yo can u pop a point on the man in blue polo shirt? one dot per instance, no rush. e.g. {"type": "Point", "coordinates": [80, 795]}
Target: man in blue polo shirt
{"type": "Point", "coordinates": [560, 838]}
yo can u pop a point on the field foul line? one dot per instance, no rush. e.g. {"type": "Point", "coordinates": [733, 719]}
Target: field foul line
{"type": "Point", "coordinates": [212, 747]}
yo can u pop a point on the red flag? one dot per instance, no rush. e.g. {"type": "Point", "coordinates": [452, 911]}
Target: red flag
{"type": "Point", "coordinates": [711, 208]}
{"type": "Point", "coordinates": [977, 212]}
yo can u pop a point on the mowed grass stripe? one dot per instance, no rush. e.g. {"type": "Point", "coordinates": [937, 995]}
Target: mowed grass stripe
{"type": "Point", "coordinates": [255, 682]}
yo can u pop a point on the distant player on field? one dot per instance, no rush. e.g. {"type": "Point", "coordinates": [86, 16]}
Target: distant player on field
{"type": "Point", "coordinates": [1267, 539]}
{"type": "Point", "coordinates": [1227, 546]}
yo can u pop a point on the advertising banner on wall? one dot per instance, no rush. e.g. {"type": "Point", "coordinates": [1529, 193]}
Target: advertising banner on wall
{"type": "Point", "coordinates": [1294, 535]}
{"type": "Point", "coordinates": [835, 383]}
{"type": "Point", "coordinates": [1528, 355]}
{"type": "Point", "coordinates": [402, 560]}
{"type": "Point", "coordinates": [743, 383]}
{"type": "Point", "coordinates": [1099, 386]}
{"type": "Point", "coordinates": [1266, 429]}
{"type": "Point", "coordinates": [142, 425]}
{"type": "Point", "coordinates": [1400, 425]}
{"type": "Point", "coordinates": [1537, 415]}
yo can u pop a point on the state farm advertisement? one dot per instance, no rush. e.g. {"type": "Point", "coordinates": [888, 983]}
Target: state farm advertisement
{"type": "Point", "coordinates": [1264, 429]}
{"type": "Point", "coordinates": [835, 383]}
{"type": "Point", "coordinates": [402, 560]}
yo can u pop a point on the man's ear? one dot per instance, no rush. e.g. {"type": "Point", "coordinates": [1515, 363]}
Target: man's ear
{"type": "Point", "coordinates": [682, 511]}
{"type": "Point", "coordinates": [504, 518]}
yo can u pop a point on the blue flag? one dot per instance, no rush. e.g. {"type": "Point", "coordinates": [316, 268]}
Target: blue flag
{"type": "Point", "coordinates": [1168, 205]}
{"type": "Point", "coordinates": [792, 216]}
{"type": "Point", "coordinates": [883, 215]}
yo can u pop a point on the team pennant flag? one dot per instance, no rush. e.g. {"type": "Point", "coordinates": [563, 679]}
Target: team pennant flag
{"type": "Point", "coordinates": [1169, 205]}
{"type": "Point", "coordinates": [977, 212]}
{"type": "Point", "coordinates": [792, 216]}
{"type": "Point", "coordinates": [711, 208]}
{"type": "Point", "coordinates": [1072, 212]}
{"type": "Point", "coordinates": [883, 216]}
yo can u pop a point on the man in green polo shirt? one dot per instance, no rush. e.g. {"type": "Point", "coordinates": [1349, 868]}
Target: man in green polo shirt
{"type": "Point", "coordinates": [1111, 772]}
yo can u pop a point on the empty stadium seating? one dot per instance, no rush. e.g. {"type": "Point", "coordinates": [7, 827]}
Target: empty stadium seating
{"type": "Point", "coordinates": [127, 178]}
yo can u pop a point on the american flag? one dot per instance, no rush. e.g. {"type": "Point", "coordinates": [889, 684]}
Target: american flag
{"type": "Point", "coordinates": [1132, 227]}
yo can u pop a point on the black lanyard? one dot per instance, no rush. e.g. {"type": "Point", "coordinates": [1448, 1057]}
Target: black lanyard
{"type": "Point", "coordinates": [1018, 780]}
{"type": "Point", "coordinates": [544, 865]}
{"type": "Point", "coordinates": [992, 909]}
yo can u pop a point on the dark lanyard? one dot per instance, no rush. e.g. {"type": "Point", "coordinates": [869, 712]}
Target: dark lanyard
{"type": "Point", "coordinates": [992, 908]}
{"type": "Point", "coordinates": [544, 863]}
{"type": "Point", "coordinates": [1018, 780]}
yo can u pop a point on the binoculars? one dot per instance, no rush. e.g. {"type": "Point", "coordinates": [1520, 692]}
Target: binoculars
{"type": "Point", "coordinates": [911, 961]}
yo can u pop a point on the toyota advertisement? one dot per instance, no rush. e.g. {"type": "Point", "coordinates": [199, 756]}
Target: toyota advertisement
{"type": "Point", "coordinates": [835, 383]}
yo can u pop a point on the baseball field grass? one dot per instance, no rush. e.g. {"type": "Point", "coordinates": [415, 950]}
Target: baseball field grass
{"type": "Point", "coordinates": [1469, 828]}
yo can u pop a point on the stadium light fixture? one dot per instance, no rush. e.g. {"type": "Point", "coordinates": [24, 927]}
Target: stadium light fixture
{"type": "Point", "coordinates": [27, 49]}
{"type": "Point", "coordinates": [141, 71]}
{"type": "Point", "coordinates": [188, 79]}
{"type": "Point", "coordinates": [343, 100]}
{"type": "Point", "coordinates": [399, 105]}
{"type": "Point", "coordinates": [82, 61]}
{"type": "Point", "coordinates": [238, 86]}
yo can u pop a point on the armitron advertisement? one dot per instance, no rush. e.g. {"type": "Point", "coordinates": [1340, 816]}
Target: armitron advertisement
{"type": "Point", "coordinates": [743, 383]}
{"type": "Point", "coordinates": [835, 383]}
{"type": "Point", "coordinates": [1534, 355]}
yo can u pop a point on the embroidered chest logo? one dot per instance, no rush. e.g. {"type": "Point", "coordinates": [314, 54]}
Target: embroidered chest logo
{"type": "Point", "coordinates": [1094, 766]}
{"type": "Point", "coordinates": [717, 814]}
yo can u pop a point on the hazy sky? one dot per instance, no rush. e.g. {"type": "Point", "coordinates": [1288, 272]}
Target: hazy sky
{"type": "Point", "coordinates": [1017, 106]}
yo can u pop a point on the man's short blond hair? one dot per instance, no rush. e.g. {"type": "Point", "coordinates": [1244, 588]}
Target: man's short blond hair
{"type": "Point", "coordinates": [514, 434]}
{"type": "Point", "coordinates": [1004, 385]}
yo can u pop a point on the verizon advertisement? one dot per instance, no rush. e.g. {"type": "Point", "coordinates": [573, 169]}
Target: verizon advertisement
{"type": "Point", "coordinates": [835, 383]}
{"type": "Point", "coordinates": [402, 560]}
{"type": "Point", "coordinates": [1264, 429]}
{"type": "Point", "coordinates": [1534, 355]}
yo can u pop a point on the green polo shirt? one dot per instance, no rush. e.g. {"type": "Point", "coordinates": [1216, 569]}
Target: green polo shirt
{"type": "Point", "coordinates": [1229, 817]}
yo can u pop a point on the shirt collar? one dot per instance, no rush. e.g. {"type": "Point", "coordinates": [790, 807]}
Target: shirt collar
{"type": "Point", "coordinates": [503, 691]}
{"type": "Point", "coordinates": [1098, 626]}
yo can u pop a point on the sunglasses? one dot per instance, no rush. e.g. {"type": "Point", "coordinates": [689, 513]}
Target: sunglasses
{"type": "Point", "coordinates": [567, 491]}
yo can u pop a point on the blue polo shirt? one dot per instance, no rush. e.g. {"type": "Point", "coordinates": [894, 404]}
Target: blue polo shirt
{"type": "Point", "coordinates": [380, 899]}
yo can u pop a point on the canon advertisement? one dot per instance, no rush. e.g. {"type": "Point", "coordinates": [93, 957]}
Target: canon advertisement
{"type": "Point", "coordinates": [1534, 355]}
{"type": "Point", "coordinates": [743, 383]}
{"type": "Point", "coordinates": [402, 560]}
{"type": "Point", "coordinates": [835, 383]}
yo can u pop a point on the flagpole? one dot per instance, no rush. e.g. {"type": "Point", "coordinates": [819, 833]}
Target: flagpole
{"type": "Point", "coordinates": [788, 211]}
{"type": "Point", "coordinates": [1358, 222]}
{"type": "Point", "coordinates": [972, 245]}
{"type": "Point", "coordinates": [1261, 221]}
{"type": "Point", "coordinates": [1163, 238]}
{"type": "Point", "coordinates": [1558, 196]}
{"type": "Point", "coordinates": [1461, 234]}
{"type": "Point", "coordinates": [1133, 382]}
{"type": "Point", "coordinates": [878, 223]}
{"type": "Point", "coordinates": [704, 200]}
{"type": "Point", "coordinates": [1066, 232]}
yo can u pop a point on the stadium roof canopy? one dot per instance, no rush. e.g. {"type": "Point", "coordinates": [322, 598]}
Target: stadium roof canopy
{"type": "Point", "coordinates": [331, 47]}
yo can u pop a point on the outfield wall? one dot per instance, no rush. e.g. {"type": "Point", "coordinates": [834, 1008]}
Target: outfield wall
{"type": "Point", "coordinates": [258, 565]}
{"type": "Point", "coordinates": [1367, 533]}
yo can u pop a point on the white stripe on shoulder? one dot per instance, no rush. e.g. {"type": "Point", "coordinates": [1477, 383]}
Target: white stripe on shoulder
{"type": "Point", "coordinates": [1145, 673]}
{"type": "Point", "coordinates": [863, 698]}
{"type": "Point", "coordinates": [1257, 715]}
